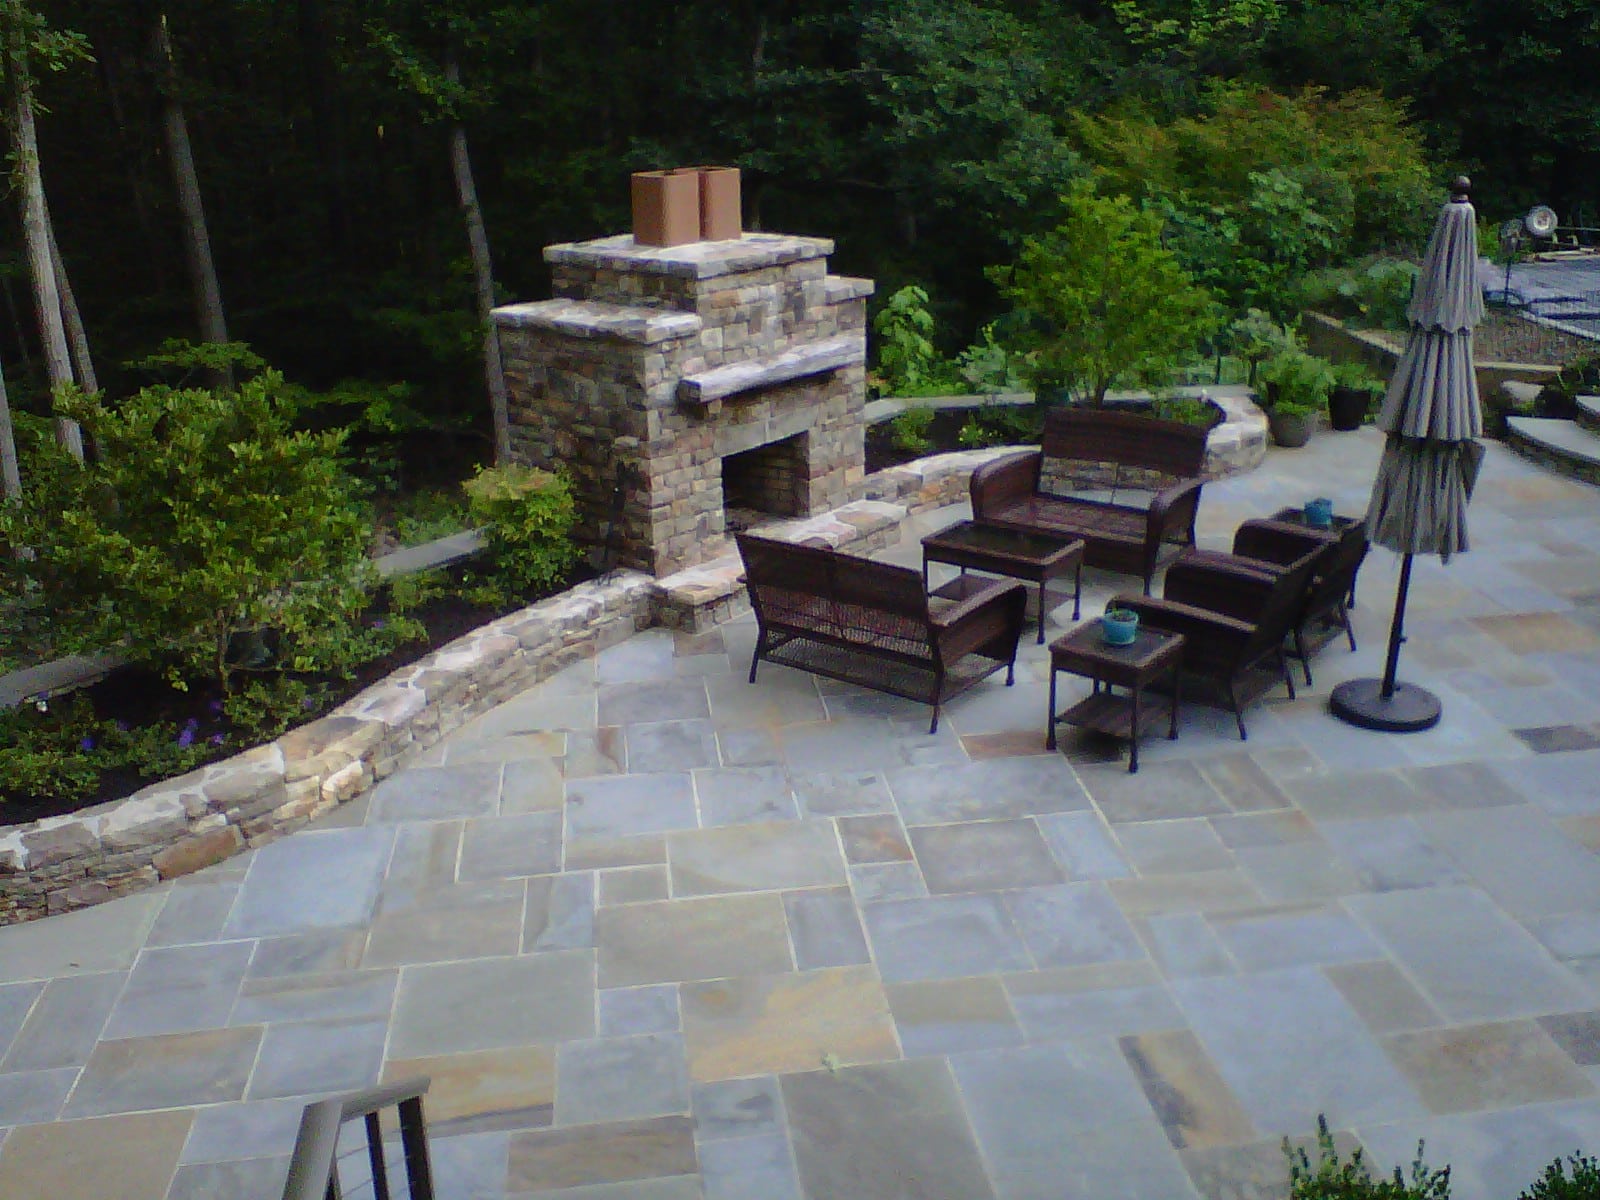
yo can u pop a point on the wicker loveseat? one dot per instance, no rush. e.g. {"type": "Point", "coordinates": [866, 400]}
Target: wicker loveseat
{"type": "Point", "coordinates": [1127, 485]}
{"type": "Point", "coordinates": [873, 623]}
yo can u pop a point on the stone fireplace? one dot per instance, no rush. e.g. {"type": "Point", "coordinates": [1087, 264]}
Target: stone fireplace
{"type": "Point", "coordinates": [674, 384]}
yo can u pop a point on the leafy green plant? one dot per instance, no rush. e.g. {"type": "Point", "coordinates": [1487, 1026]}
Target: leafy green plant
{"type": "Point", "coordinates": [1337, 1177]}
{"type": "Point", "coordinates": [1101, 298]}
{"type": "Point", "coordinates": [204, 520]}
{"type": "Point", "coordinates": [179, 362]}
{"type": "Point", "coordinates": [528, 516]}
{"type": "Point", "coordinates": [1257, 336]}
{"type": "Point", "coordinates": [908, 361]}
{"type": "Point", "coordinates": [1578, 1178]}
{"type": "Point", "coordinates": [1297, 382]}
{"type": "Point", "coordinates": [1191, 410]}
{"type": "Point", "coordinates": [1374, 296]}
{"type": "Point", "coordinates": [1357, 377]}
{"type": "Point", "coordinates": [909, 429]}
{"type": "Point", "coordinates": [1002, 425]}
{"type": "Point", "coordinates": [987, 366]}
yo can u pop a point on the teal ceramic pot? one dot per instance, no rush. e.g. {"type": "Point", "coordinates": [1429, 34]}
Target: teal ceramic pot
{"type": "Point", "coordinates": [1119, 628]}
{"type": "Point", "coordinates": [1319, 513]}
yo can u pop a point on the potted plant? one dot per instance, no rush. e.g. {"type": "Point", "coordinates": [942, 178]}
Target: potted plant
{"type": "Point", "coordinates": [1355, 389]}
{"type": "Point", "coordinates": [1297, 386]}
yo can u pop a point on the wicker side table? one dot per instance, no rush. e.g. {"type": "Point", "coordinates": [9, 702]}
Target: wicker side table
{"type": "Point", "coordinates": [1129, 714]}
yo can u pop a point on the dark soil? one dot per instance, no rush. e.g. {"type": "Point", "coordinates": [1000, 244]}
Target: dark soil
{"type": "Point", "coordinates": [139, 697]}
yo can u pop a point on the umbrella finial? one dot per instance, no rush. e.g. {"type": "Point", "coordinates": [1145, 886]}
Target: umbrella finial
{"type": "Point", "coordinates": [1461, 189]}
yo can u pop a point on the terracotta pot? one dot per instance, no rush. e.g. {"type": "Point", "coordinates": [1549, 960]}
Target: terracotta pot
{"type": "Point", "coordinates": [666, 207]}
{"type": "Point", "coordinates": [720, 218]}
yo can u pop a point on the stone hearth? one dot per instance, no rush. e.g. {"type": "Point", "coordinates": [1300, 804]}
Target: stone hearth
{"type": "Point", "coordinates": [653, 366]}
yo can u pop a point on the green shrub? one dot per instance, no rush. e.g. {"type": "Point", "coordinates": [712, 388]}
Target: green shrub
{"type": "Point", "coordinates": [1102, 300]}
{"type": "Point", "coordinates": [909, 428]}
{"type": "Point", "coordinates": [527, 516]}
{"type": "Point", "coordinates": [204, 521]}
{"type": "Point", "coordinates": [1335, 1177]}
{"type": "Point", "coordinates": [1583, 1182]}
{"type": "Point", "coordinates": [1002, 425]}
{"type": "Point", "coordinates": [1374, 296]}
{"type": "Point", "coordinates": [987, 366]}
{"type": "Point", "coordinates": [908, 361]}
{"type": "Point", "coordinates": [1298, 382]}
{"type": "Point", "coordinates": [1190, 410]}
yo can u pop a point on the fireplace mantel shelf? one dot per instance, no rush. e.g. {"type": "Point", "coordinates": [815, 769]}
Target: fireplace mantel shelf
{"type": "Point", "coordinates": [710, 388]}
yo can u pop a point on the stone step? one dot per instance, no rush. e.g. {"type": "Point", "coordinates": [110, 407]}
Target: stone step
{"type": "Point", "coordinates": [1521, 393]}
{"type": "Point", "coordinates": [1563, 445]}
{"type": "Point", "coordinates": [1589, 413]}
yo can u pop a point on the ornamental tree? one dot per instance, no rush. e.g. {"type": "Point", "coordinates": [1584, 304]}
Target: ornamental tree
{"type": "Point", "coordinates": [1101, 300]}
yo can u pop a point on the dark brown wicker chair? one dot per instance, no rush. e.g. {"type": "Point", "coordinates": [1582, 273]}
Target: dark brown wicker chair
{"type": "Point", "coordinates": [1235, 617]}
{"type": "Point", "coordinates": [1129, 486]}
{"type": "Point", "coordinates": [1272, 546]}
{"type": "Point", "coordinates": [873, 624]}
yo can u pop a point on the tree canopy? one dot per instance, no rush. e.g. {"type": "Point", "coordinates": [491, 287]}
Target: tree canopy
{"type": "Point", "coordinates": [930, 138]}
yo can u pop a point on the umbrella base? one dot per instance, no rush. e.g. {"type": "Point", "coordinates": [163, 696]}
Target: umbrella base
{"type": "Point", "coordinates": [1360, 702]}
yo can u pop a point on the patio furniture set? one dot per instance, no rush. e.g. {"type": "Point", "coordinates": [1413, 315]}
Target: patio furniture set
{"type": "Point", "coordinates": [1112, 490]}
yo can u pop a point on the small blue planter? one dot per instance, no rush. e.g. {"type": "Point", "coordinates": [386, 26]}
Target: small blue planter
{"type": "Point", "coordinates": [1319, 513]}
{"type": "Point", "coordinates": [1119, 627]}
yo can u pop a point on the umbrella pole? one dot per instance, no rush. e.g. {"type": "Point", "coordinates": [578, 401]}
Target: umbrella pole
{"type": "Point", "coordinates": [1396, 629]}
{"type": "Point", "coordinates": [1384, 704]}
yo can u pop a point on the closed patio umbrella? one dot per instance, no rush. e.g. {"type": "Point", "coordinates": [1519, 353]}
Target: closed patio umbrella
{"type": "Point", "coordinates": [1430, 460]}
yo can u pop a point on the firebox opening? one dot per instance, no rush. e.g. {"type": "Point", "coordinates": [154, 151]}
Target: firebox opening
{"type": "Point", "coordinates": [766, 482]}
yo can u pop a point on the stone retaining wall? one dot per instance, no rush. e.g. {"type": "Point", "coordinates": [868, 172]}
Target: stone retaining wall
{"type": "Point", "coordinates": [1379, 353]}
{"type": "Point", "coordinates": [180, 825]}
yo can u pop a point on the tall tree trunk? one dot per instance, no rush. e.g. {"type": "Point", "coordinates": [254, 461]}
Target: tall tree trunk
{"type": "Point", "coordinates": [36, 236]}
{"type": "Point", "coordinates": [10, 475]}
{"type": "Point", "coordinates": [196, 242]}
{"type": "Point", "coordinates": [77, 337]}
{"type": "Point", "coordinates": [483, 277]}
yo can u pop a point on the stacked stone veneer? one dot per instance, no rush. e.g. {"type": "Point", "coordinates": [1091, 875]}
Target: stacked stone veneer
{"type": "Point", "coordinates": [652, 364]}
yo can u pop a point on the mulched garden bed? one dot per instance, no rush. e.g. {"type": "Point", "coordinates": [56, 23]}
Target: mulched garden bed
{"type": "Point", "coordinates": [137, 697]}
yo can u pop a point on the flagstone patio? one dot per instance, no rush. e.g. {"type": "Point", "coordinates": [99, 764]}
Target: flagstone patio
{"type": "Point", "coordinates": [659, 934]}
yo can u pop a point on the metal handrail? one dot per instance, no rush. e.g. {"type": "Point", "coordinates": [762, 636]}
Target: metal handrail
{"type": "Point", "coordinates": [311, 1171]}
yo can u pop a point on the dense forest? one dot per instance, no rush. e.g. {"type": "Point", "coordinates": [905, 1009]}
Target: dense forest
{"type": "Point", "coordinates": [294, 174]}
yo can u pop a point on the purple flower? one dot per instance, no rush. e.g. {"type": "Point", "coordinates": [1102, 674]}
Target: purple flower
{"type": "Point", "coordinates": [218, 739]}
{"type": "Point", "coordinates": [308, 704]}
{"type": "Point", "coordinates": [214, 707]}
{"type": "Point", "coordinates": [86, 744]}
{"type": "Point", "coordinates": [192, 723]}
{"type": "Point", "coordinates": [378, 624]}
{"type": "Point", "coordinates": [186, 737]}
{"type": "Point", "coordinates": [122, 726]}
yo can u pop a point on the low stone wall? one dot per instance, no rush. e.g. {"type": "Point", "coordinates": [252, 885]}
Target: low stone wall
{"type": "Point", "coordinates": [180, 825]}
{"type": "Point", "coordinates": [1379, 353]}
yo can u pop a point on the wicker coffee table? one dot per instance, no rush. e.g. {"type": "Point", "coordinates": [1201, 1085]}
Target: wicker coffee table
{"type": "Point", "coordinates": [1031, 557]}
{"type": "Point", "coordinates": [1151, 654]}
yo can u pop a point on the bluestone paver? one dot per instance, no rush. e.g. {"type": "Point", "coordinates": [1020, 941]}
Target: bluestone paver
{"type": "Point", "coordinates": [656, 933]}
